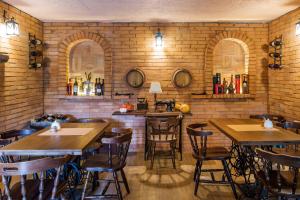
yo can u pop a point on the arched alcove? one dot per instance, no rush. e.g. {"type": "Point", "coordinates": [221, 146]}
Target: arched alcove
{"type": "Point", "coordinates": [237, 43]}
{"type": "Point", "coordinates": [80, 38]}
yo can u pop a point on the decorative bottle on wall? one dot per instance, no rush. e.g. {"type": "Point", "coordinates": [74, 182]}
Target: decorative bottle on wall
{"type": "Point", "coordinates": [245, 84]}
{"type": "Point", "coordinates": [237, 84]}
{"type": "Point", "coordinates": [231, 87]}
{"type": "Point", "coordinates": [102, 86]}
{"type": "Point", "coordinates": [75, 88]}
{"type": "Point", "coordinates": [225, 86]}
{"type": "Point", "coordinates": [70, 87]}
{"type": "Point", "coordinates": [214, 83]}
{"type": "Point", "coordinates": [96, 87]}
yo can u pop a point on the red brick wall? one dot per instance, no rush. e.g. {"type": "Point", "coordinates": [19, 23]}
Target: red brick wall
{"type": "Point", "coordinates": [284, 85]}
{"type": "Point", "coordinates": [131, 46]}
{"type": "Point", "coordinates": [21, 88]}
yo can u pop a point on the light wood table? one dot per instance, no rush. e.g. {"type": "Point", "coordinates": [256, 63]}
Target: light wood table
{"type": "Point", "coordinates": [246, 135]}
{"type": "Point", "coordinates": [247, 132]}
{"type": "Point", "coordinates": [56, 144]}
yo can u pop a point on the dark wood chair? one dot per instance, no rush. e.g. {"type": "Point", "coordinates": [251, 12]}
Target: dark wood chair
{"type": "Point", "coordinates": [277, 118]}
{"type": "Point", "coordinates": [42, 188]}
{"type": "Point", "coordinates": [91, 120]}
{"type": "Point", "coordinates": [16, 134]}
{"type": "Point", "coordinates": [274, 177]}
{"type": "Point", "coordinates": [162, 131]}
{"type": "Point", "coordinates": [198, 138]}
{"type": "Point", "coordinates": [112, 160]}
{"type": "Point", "coordinates": [96, 145]}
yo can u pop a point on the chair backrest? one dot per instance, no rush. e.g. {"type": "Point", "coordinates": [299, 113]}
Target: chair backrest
{"type": "Point", "coordinates": [198, 138]}
{"type": "Point", "coordinates": [16, 134]}
{"type": "Point", "coordinates": [295, 126]}
{"type": "Point", "coordinates": [118, 142]}
{"type": "Point", "coordinates": [265, 172]}
{"type": "Point", "coordinates": [277, 118]}
{"type": "Point", "coordinates": [90, 120]}
{"type": "Point", "coordinates": [162, 128]}
{"type": "Point", "coordinates": [32, 167]}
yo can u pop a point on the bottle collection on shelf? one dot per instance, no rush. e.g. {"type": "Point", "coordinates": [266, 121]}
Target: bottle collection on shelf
{"type": "Point", "coordinates": [85, 88]}
{"type": "Point", "coordinates": [234, 86]}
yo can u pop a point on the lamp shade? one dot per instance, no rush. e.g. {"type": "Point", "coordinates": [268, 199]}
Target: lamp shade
{"type": "Point", "coordinates": [155, 88]}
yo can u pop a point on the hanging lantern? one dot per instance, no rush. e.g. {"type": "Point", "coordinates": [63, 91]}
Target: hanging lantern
{"type": "Point", "coordinates": [11, 26]}
{"type": "Point", "coordinates": [158, 38]}
{"type": "Point", "coordinates": [298, 29]}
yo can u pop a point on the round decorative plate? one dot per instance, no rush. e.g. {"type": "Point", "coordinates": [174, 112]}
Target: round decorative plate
{"type": "Point", "coordinates": [182, 78]}
{"type": "Point", "coordinates": [135, 78]}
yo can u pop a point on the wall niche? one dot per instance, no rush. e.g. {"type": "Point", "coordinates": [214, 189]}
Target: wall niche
{"type": "Point", "coordinates": [85, 55]}
{"type": "Point", "coordinates": [230, 53]}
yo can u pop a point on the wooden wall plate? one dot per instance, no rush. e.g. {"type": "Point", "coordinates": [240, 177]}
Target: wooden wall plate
{"type": "Point", "coordinates": [182, 78]}
{"type": "Point", "coordinates": [135, 78]}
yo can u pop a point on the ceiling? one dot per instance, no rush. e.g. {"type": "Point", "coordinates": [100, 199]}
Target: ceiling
{"type": "Point", "coordinates": [156, 10]}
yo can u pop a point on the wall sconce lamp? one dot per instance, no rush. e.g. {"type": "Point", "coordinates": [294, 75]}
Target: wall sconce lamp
{"type": "Point", "coordinates": [159, 38]}
{"type": "Point", "coordinates": [298, 29]}
{"type": "Point", "coordinates": [11, 26]}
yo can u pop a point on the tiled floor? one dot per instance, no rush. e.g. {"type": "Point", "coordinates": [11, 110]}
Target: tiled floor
{"type": "Point", "coordinates": [166, 183]}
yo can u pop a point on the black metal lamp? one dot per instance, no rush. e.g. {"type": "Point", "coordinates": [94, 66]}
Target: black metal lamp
{"type": "Point", "coordinates": [298, 29]}
{"type": "Point", "coordinates": [11, 26]}
{"type": "Point", "coordinates": [158, 38]}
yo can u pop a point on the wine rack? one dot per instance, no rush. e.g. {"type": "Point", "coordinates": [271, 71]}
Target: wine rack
{"type": "Point", "coordinates": [276, 53]}
{"type": "Point", "coordinates": [35, 52]}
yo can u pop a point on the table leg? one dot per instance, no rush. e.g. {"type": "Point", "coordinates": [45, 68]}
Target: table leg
{"type": "Point", "coordinates": [146, 140]}
{"type": "Point", "coordinates": [180, 139]}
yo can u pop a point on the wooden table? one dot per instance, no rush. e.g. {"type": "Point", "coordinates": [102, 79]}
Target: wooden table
{"type": "Point", "coordinates": [55, 145]}
{"type": "Point", "coordinates": [255, 138]}
{"type": "Point", "coordinates": [247, 134]}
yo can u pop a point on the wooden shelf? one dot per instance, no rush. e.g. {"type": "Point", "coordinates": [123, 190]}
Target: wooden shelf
{"type": "Point", "coordinates": [223, 96]}
{"type": "Point", "coordinates": [82, 97]}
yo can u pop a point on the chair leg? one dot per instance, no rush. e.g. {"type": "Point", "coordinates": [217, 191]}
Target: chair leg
{"type": "Point", "coordinates": [153, 154]}
{"type": "Point", "coordinates": [118, 188]}
{"type": "Point", "coordinates": [173, 154]}
{"type": "Point", "coordinates": [196, 170]}
{"type": "Point", "coordinates": [198, 178]}
{"type": "Point", "coordinates": [229, 178]}
{"type": "Point", "coordinates": [85, 185]}
{"type": "Point", "coordinates": [125, 181]}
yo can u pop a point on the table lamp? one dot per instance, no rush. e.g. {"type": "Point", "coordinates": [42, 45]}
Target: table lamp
{"type": "Point", "coordinates": [155, 88]}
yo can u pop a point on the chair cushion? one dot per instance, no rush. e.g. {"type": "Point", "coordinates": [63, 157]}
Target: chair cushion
{"type": "Point", "coordinates": [214, 153]}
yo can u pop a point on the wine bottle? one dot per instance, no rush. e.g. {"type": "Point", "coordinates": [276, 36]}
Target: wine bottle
{"type": "Point", "coordinates": [245, 84]}
{"type": "Point", "coordinates": [277, 42]}
{"type": "Point", "coordinates": [275, 55]}
{"type": "Point", "coordinates": [35, 41]}
{"type": "Point", "coordinates": [102, 86]}
{"type": "Point", "coordinates": [96, 86]}
{"type": "Point", "coordinates": [75, 88]}
{"type": "Point", "coordinates": [237, 84]}
{"type": "Point", "coordinates": [70, 92]}
{"type": "Point", "coordinates": [231, 87]}
{"type": "Point", "coordinates": [36, 53]}
{"type": "Point", "coordinates": [35, 65]}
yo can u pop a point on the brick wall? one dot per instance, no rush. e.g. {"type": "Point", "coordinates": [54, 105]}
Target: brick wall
{"type": "Point", "coordinates": [131, 45]}
{"type": "Point", "coordinates": [284, 85]}
{"type": "Point", "coordinates": [21, 88]}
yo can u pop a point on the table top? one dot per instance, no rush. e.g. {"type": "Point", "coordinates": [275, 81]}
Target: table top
{"type": "Point", "coordinates": [247, 132]}
{"type": "Point", "coordinates": [57, 144]}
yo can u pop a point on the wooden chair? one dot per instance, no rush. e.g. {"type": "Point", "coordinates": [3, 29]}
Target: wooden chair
{"type": "Point", "coordinates": [274, 177]}
{"type": "Point", "coordinates": [96, 145]}
{"type": "Point", "coordinates": [91, 120]}
{"type": "Point", "coordinates": [288, 149]}
{"type": "Point", "coordinates": [16, 134]}
{"type": "Point", "coordinates": [277, 118]}
{"type": "Point", "coordinates": [198, 138]}
{"type": "Point", "coordinates": [41, 188]}
{"type": "Point", "coordinates": [162, 131]}
{"type": "Point", "coordinates": [118, 142]}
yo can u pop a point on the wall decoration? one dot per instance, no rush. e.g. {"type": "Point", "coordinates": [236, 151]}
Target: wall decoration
{"type": "Point", "coordinates": [182, 78]}
{"type": "Point", "coordinates": [35, 52]}
{"type": "Point", "coordinates": [276, 53]}
{"type": "Point", "coordinates": [135, 78]}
